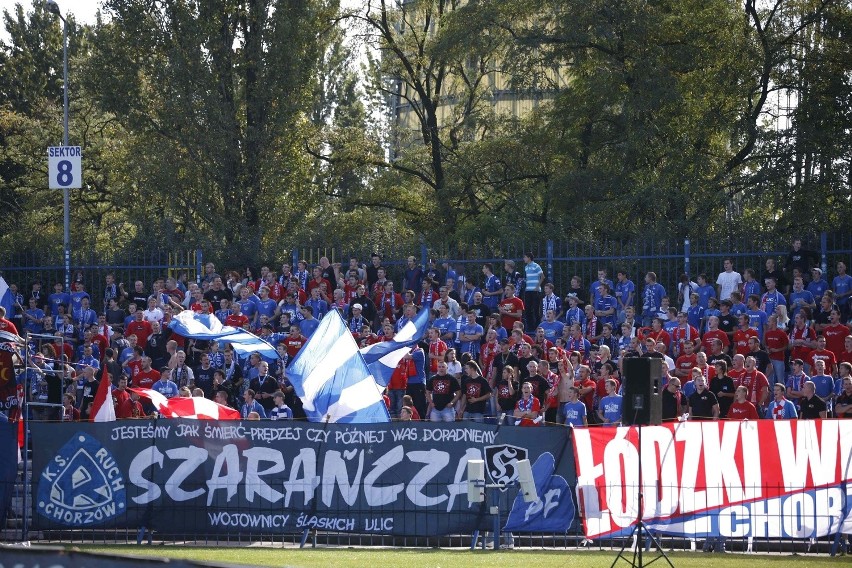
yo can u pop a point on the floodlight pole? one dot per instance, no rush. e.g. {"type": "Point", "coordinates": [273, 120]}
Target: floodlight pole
{"type": "Point", "coordinates": [53, 8]}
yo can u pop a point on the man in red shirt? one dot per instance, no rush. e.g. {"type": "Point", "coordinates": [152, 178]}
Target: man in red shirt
{"type": "Point", "coordinates": [685, 363]}
{"type": "Point", "coordinates": [139, 327]}
{"type": "Point", "coordinates": [586, 388]}
{"type": "Point", "coordinates": [683, 334]}
{"type": "Point", "coordinates": [511, 308]}
{"type": "Point", "coordinates": [146, 376]}
{"type": "Point", "coordinates": [742, 335]}
{"type": "Point", "coordinates": [437, 349]}
{"type": "Point", "coordinates": [389, 303]}
{"type": "Point", "coordinates": [6, 324]}
{"type": "Point", "coordinates": [756, 382]}
{"type": "Point", "coordinates": [742, 409]}
{"type": "Point", "coordinates": [237, 318]}
{"type": "Point", "coordinates": [659, 334]}
{"type": "Point", "coordinates": [776, 346]}
{"type": "Point", "coordinates": [713, 332]}
{"type": "Point", "coordinates": [294, 341]}
{"type": "Point", "coordinates": [802, 338]}
{"type": "Point", "coordinates": [835, 334]}
{"type": "Point", "coordinates": [317, 280]}
{"type": "Point", "coordinates": [737, 368]}
{"type": "Point", "coordinates": [120, 394]}
{"type": "Point", "coordinates": [823, 354]}
{"type": "Point", "coordinates": [846, 354]}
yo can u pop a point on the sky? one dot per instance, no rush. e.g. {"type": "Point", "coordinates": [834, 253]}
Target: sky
{"type": "Point", "coordinates": [83, 10]}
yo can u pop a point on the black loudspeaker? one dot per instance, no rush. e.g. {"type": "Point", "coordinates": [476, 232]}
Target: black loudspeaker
{"type": "Point", "coordinates": [643, 390]}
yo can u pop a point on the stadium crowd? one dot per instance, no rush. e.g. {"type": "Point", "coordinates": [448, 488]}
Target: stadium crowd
{"type": "Point", "coordinates": [503, 344]}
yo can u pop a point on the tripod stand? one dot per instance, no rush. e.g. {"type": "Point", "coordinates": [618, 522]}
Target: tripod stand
{"type": "Point", "coordinates": [637, 533]}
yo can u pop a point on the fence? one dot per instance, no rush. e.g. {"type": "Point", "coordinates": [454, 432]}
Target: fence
{"type": "Point", "coordinates": [202, 484]}
{"type": "Point", "coordinates": [561, 260]}
{"type": "Point", "coordinates": [91, 269]}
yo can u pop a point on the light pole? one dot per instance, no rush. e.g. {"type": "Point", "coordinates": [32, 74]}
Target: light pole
{"type": "Point", "coordinates": [53, 8]}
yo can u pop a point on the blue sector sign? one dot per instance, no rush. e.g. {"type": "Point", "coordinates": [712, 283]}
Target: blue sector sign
{"type": "Point", "coordinates": [64, 167]}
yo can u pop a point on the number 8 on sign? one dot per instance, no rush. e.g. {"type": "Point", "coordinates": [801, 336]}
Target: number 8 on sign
{"type": "Point", "coordinates": [64, 166]}
{"type": "Point", "coordinates": [65, 177]}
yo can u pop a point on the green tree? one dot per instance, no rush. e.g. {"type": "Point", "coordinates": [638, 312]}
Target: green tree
{"type": "Point", "coordinates": [215, 96]}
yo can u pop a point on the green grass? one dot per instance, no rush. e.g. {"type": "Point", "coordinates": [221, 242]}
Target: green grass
{"type": "Point", "coordinates": [396, 558]}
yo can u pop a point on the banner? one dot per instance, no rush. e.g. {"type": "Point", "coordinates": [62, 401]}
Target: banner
{"type": "Point", "coordinates": [198, 477]}
{"type": "Point", "coordinates": [8, 466]}
{"type": "Point", "coordinates": [761, 479]}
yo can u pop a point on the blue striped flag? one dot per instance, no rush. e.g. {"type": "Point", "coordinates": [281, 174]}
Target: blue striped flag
{"type": "Point", "coordinates": [6, 299]}
{"type": "Point", "coordinates": [332, 379]}
{"type": "Point", "coordinates": [383, 357]}
{"type": "Point", "coordinates": [207, 326]}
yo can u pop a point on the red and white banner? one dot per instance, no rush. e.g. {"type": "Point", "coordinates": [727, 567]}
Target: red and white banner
{"type": "Point", "coordinates": [102, 407]}
{"type": "Point", "coordinates": [195, 407]}
{"type": "Point", "coordinates": [765, 478]}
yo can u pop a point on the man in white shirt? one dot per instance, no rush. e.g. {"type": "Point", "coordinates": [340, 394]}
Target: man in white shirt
{"type": "Point", "coordinates": [728, 281]}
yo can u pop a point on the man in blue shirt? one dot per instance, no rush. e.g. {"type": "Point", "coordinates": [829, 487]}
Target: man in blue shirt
{"type": "Point", "coordinates": [280, 411]}
{"type": "Point", "coordinates": [817, 286]}
{"type": "Point", "coordinates": [801, 298]}
{"type": "Point", "coordinates": [58, 298]}
{"type": "Point", "coordinates": [842, 286]}
{"type": "Point", "coordinates": [165, 386]}
{"type": "Point", "coordinates": [265, 305]}
{"type": "Point", "coordinates": [445, 324]}
{"type": "Point", "coordinates": [772, 297]}
{"type": "Point", "coordinates": [492, 291]}
{"type": "Point", "coordinates": [319, 307]}
{"type": "Point", "coordinates": [310, 324]}
{"type": "Point", "coordinates": [756, 316]}
{"type": "Point", "coordinates": [652, 298]}
{"type": "Point", "coordinates": [469, 336]}
{"type": "Point", "coordinates": [574, 410]}
{"type": "Point", "coordinates": [550, 301]}
{"type": "Point", "coordinates": [84, 317]}
{"type": "Point", "coordinates": [552, 328]}
{"type": "Point", "coordinates": [34, 317]}
{"type": "Point", "coordinates": [595, 291]}
{"type": "Point", "coordinates": [605, 305]}
{"type": "Point", "coordinates": [77, 296]}
{"type": "Point", "coordinates": [625, 289]}
{"type": "Point", "coordinates": [705, 291]}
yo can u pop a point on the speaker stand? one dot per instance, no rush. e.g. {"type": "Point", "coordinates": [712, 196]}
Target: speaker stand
{"type": "Point", "coordinates": [640, 530]}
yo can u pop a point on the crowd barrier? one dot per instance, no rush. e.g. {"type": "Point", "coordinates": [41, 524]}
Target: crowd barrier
{"type": "Point", "coordinates": [762, 485]}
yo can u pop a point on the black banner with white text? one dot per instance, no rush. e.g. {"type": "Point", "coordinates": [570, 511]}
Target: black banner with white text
{"type": "Point", "coordinates": [197, 477]}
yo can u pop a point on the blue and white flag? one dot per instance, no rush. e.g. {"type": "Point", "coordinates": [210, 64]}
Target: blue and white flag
{"type": "Point", "coordinates": [207, 326]}
{"type": "Point", "coordinates": [6, 299]}
{"type": "Point", "coordinates": [383, 357]}
{"type": "Point", "coordinates": [332, 379]}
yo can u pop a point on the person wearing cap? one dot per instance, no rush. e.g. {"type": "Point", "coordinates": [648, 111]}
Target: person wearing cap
{"type": "Point", "coordinates": [358, 325]}
{"type": "Point", "coordinates": [280, 411]}
{"type": "Point", "coordinates": [368, 308]}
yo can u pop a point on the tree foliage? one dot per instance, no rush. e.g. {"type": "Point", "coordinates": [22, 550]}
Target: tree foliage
{"type": "Point", "coordinates": [249, 127]}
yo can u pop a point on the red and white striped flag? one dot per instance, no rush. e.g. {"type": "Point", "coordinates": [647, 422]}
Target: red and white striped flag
{"type": "Point", "coordinates": [195, 407]}
{"type": "Point", "coordinates": [103, 409]}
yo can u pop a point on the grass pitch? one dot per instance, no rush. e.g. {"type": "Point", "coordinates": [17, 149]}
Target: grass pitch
{"type": "Point", "coordinates": [420, 558]}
